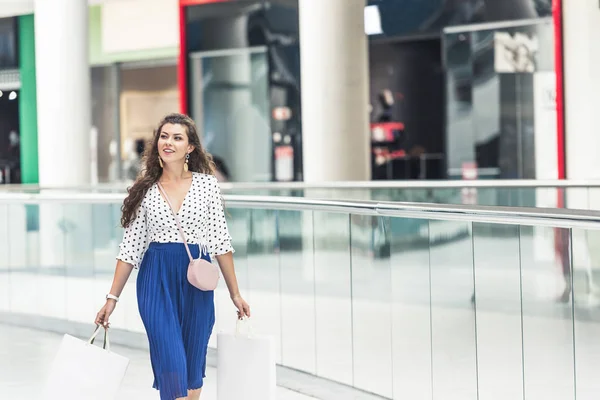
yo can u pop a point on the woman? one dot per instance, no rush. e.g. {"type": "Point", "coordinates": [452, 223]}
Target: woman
{"type": "Point", "coordinates": [177, 316]}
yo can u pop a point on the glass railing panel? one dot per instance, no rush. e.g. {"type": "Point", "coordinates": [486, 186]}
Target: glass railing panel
{"type": "Point", "coordinates": [585, 248]}
{"type": "Point", "coordinates": [575, 198]}
{"type": "Point", "coordinates": [298, 308]}
{"type": "Point", "coordinates": [264, 274]}
{"type": "Point", "coordinates": [371, 304]}
{"type": "Point", "coordinates": [454, 350]}
{"type": "Point", "coordinates": [333, 296]}
{"type": "Point", "coordinates": [30, 239]}
{"type": "Point", "coordinates": [593, 195]}
{"type": "Point", "coordinates": [548, 364]}
{"type": "Point", "coordinates": [497, 303]}
{"type": "Point", "coordinates": [39, 277]}
{"type": "Point", "coordinates": [410, 302]}
{"type": "Point", "coordinates": [5, 251]}
{"type": "Point", "coordinates": [78, 230]}
{"type": "Point", "coordinates": [106, 247]}
{"type": "Point", "coordinates": [401, 307]}
{"type": "Point", "coordinates": [239, 225]}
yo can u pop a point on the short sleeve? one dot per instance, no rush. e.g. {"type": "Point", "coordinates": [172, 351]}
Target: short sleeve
{"type": "Point", "coordinates": [219, 240]}
{"type": "Point", "coordinates": [133, 246]}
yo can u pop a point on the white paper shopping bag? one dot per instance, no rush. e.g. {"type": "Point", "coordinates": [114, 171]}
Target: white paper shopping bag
{"type": "Point", "coordinates": [83, 371]}
{"type": "Point", "coordinates": [245, 366]}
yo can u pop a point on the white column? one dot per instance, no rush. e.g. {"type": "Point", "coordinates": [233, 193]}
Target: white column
{"type": "Point", "coordinates": [64, 127]}
{"type": "Point", "coordinates": [581, 54]}
{"type": "Point", "coordinates": [335, 85]}
{"type": "Point", "coordinates": [63, 91]}
{"type": "Point", "coordinates": [581, 33]}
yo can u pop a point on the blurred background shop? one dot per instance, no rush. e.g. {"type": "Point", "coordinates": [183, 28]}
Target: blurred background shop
{"type": "Point", "coordinates": [456, 88]}
{"type": "Point", "coordinates": [448, 93]}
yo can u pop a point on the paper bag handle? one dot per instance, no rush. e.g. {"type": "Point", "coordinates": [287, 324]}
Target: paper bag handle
{"type": "Point", "coordinates": [245, 321]}
{"type": "Point", "coordinates": [106, 344]}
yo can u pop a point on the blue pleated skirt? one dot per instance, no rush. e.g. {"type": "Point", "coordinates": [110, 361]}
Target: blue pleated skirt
{"type": "Point", "coordinates": [178, 318]}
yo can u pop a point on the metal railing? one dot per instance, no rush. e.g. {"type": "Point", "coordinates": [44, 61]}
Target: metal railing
{"type": "Point", "coordinates": [408, 184]}
{"type": "Point", "coordinates": [563, 218]}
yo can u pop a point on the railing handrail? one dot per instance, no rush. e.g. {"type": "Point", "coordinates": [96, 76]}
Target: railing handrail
{"type": "Point", "coordinates": [564, 218]}
{"type": "Point", "coordinates": [416, 184]}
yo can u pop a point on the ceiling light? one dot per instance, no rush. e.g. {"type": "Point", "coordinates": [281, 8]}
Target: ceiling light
{"type": "Point", "coordinates": [12, 95]}
{"type": "Point", "coordinates": [372, 21]}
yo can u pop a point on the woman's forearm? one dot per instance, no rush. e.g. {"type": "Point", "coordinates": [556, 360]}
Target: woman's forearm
{"type": "Point", "coordinates": [122, 272]}
{"type": "Point", "coordinates": [226, 264]}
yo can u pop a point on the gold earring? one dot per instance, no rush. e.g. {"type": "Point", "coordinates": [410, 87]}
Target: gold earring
{"type": "Point", "coordinates": [160, 162]}
{"type": "Point", "coordinates": [185, 166]}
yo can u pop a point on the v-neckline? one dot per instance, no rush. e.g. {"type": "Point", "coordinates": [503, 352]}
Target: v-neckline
{"type": "Point", "coordinates": [184, 198]}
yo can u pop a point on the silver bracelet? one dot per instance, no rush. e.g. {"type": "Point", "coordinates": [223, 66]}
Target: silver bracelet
{"type": "Point", "coordinates": [112, 296]}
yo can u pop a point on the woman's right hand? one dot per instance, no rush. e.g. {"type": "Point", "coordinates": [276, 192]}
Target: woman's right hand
{"type": "Point", "coordinates": [105, 312]}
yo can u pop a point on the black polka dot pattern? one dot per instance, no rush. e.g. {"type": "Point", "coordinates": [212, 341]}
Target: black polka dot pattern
{"type": "Point", "coordinates": [201, 216]}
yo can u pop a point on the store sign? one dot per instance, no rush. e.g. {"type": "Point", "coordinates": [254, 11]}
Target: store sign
{"type": "Point", "coordinates": [284, 163]}
{"type": "Point", "coordinates": [515, 53]}
{"type": "Point", "coordinates": [282, 113]}
{"type": "Point", "coordinates": [469, 172]}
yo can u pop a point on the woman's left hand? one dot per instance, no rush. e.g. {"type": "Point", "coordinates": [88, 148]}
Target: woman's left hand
{"type": "Point", "coordinates": [242, 306]}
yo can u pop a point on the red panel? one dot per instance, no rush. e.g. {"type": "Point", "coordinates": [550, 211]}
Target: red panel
{"type": "Point", "coordinates": [560, 247]}
{"type": "Point", "coordinates": [558, 61]}
{"type": "Point", "coordinates": [185, 3]}
{"type": "Point", "coordinates": [182, 63]}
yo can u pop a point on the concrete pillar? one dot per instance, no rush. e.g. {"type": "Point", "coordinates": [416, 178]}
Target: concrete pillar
{"type": "Point", "coordinates": [335, 91]}
{"type": "Point", "coordinates": [64, 125]}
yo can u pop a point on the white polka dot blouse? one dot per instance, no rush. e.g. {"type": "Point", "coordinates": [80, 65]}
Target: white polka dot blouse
{"type": "Point", "coordinates": [201, 216]}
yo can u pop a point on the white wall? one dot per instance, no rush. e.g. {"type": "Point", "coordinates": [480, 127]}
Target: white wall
{"type": "Point", "coordinates": [12, 8]}
{"type": "Point", "coordinates": [131, 25]}
{"type": "Point", "coordinates": [581, 27]}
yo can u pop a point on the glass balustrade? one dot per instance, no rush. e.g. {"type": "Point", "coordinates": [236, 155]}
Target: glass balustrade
{"type": "Point", "coordinates": [397, 306]}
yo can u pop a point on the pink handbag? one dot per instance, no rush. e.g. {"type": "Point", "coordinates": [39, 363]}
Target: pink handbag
{"type": "Point", "coordinates": [201, 273]}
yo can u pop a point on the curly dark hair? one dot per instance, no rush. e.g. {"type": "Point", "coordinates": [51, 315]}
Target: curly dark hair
{"type": "Point", "coordinates": [200, 161]}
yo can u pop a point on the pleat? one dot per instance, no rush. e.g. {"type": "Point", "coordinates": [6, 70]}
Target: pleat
{"type": "Point", "coordinates": [178, 319]}
{"type": "Point", "coordinates": [198, 322]}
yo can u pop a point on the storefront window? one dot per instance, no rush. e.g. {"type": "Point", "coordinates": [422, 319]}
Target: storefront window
{"type": "Point", "coordinates": [500, 112]}
{"type": "Point", "coordinates": [128, 101]}
{"type": "Point", "coordinates": [104, 122]}
{"type": "Point", "coordinates": [10, 156]}
{"type": "Point", "coordinates": [9, 58]}
{"type": "Point", "coordinates": [148, 93]}
{"type": "Point", "coordinates": [230, 104]}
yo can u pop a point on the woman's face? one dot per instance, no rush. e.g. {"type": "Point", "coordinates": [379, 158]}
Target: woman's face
{"type": "Point", "coordinates": [173, 144]}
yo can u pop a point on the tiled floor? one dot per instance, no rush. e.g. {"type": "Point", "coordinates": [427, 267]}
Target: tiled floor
{"type": "Point", "coordinates": [25, 356]}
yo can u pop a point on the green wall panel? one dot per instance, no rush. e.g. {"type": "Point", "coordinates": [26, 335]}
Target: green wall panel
{"type": "Point", "coordinates": [28, 101]}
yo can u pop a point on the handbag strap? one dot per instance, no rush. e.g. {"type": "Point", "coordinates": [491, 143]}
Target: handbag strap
{"type": "Point", "coordinates": [164, 192]}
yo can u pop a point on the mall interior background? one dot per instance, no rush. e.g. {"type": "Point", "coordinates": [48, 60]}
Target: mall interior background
{"type": "Point", "coordinates": [456, 88]}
